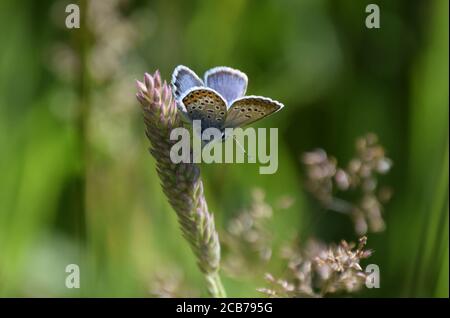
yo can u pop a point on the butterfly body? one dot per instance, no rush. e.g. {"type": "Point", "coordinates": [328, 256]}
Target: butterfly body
{"type": "Point", "coordinates": [219, 101]}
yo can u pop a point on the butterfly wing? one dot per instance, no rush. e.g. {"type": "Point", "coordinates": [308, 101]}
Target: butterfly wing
{"type": "Point", "coordinates": [183, 79]}
{"type": "Point", "coordinates": [205, 104]}
{"type": "Point", "coordinates": [228, 82]}
{"type": "Point", "coordinates": [247, 110]}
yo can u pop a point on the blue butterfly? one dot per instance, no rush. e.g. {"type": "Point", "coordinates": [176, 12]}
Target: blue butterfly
{"type": "Point", "coordinates": [219, 101]}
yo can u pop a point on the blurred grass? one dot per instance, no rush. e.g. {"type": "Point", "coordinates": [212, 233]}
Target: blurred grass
{"type": "Point", "coordinates": [337, 79]}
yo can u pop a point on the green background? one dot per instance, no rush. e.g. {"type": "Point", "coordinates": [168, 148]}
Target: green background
{"type": "Point", "coordinates": [77, 184]}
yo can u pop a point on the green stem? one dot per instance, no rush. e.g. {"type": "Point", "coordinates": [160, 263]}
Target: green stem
{"type": "Point", "coordinates": [215, 286]}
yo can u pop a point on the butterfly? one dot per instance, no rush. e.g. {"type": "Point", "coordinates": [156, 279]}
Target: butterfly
{"type": "Point", "coordinates": [219, 100]}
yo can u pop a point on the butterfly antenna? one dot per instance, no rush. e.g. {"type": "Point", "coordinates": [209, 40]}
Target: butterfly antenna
{"type": "Point", "coordinates": [242, 148]}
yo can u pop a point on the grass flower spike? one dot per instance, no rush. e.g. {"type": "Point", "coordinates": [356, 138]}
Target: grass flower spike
{"type": "Point", "coordinates": [181, 182]}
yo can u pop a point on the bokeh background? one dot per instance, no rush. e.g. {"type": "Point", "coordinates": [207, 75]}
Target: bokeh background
{"type": "Point", "coordinates": [77, 184]}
